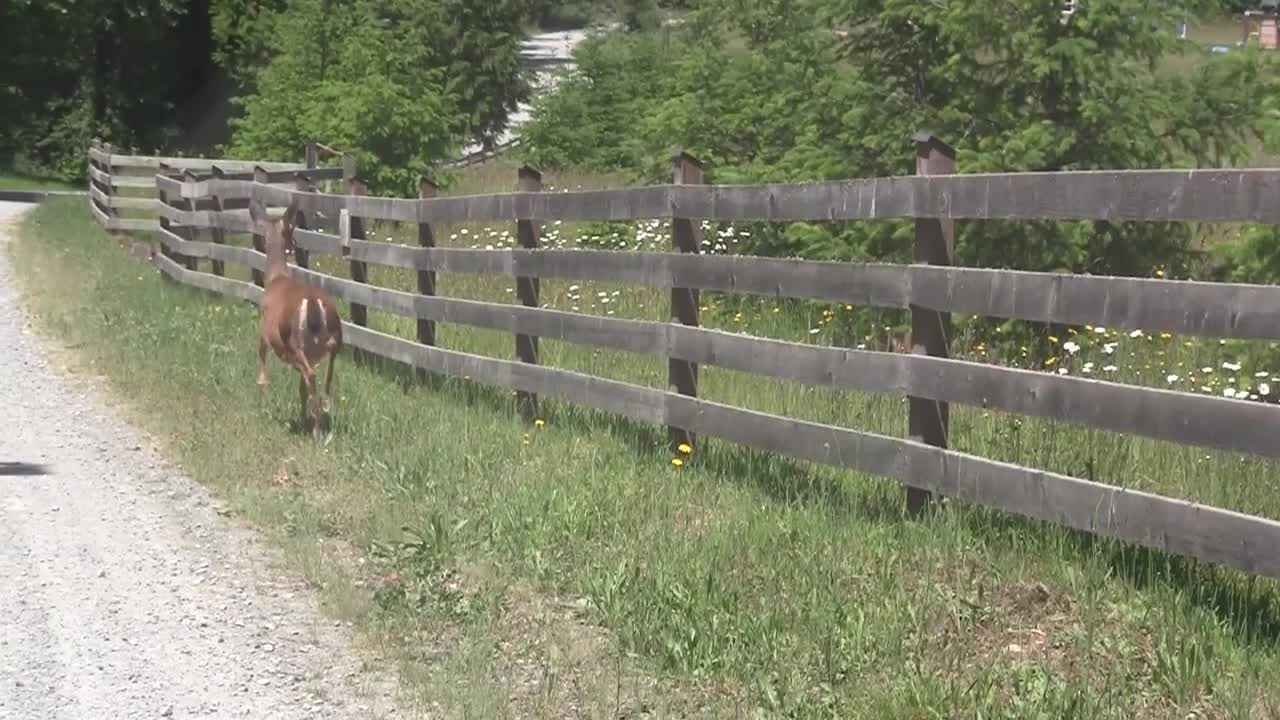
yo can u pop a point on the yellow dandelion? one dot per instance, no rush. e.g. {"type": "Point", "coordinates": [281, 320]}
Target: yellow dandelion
{"type": "Point", "coordinates": [539, 422]}
{"type": "Point", "coordinates": [1053, 339]}
{"type": "Point", "coordinates": [1071, 331]}
{"type": "Point", "coordinates": [1165, 336]}
{"type": "Point", "coordinates": [848, 307]}
{"type": "Point", "coordinates": [777, 309]}
{"type": "Point", "coordinates": [685, 449]}
{"type": "Point", "coordinates": [677, 461]}
{"type": "Point", "coordinates": [1050, 362]}
{"type": "Point", "coordinates": [1159, 273]}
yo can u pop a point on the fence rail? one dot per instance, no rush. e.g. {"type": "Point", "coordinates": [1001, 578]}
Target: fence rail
{"type": "Point", "coordinates": [930, 288]}
{"type": "Point", "coordinates": [128, 182]}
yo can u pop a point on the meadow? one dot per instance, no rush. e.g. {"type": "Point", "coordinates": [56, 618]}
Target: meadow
{"type": "Point", "coordinates": [576, 568]}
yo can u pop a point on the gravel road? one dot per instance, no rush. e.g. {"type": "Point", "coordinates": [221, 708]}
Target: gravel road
{"type": "Point", "coordinates": [123, 592]}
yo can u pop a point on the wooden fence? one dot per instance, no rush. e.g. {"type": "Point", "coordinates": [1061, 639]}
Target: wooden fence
{"type": "Point", "coordinates": [930, 288]}
{"type": "Point", "coordinates": [127, 182]}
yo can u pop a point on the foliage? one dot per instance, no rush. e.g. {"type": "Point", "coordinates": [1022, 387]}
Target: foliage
{"type": "Point", "coordinates": [764, 89]}
{"type": "Point", "coordinates": [401, 84]}
{"type": "Point", "coordinates": [74, 69]}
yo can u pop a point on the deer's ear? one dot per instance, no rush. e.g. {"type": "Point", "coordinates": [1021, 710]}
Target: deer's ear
{"type": "Point", "coordinates": [290, 218]}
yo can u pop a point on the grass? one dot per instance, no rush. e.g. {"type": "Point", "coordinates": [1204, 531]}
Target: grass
{"type": "Point", "coordinates": [571, 569]}
{"type": "Point", "coordinates": [11, 179]}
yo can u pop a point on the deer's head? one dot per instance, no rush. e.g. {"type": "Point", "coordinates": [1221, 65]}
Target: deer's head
{"type": "Point", "coordinates": [277, 231]}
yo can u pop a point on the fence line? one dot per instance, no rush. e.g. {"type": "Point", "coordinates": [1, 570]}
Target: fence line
{"type": "Point", "coordinates": [930, 288]}
{"type": "Point", "coordinates": [128, 182]}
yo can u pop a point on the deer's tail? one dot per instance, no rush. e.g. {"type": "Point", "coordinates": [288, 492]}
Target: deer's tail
{"type": "Point", "coordinates": [315, 317]}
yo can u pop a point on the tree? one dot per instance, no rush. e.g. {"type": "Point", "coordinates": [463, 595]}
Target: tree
{"type": "Point", "coordinates": [823, 89]}
{"type": "Point", "coordinates": [74, 69]}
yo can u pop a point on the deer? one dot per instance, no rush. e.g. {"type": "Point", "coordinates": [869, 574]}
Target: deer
{"type": "Point", "coordinates": [299, 322]}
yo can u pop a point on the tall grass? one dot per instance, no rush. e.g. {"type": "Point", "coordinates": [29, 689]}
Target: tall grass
{"type": "Point", "coordinates": [744, 581]}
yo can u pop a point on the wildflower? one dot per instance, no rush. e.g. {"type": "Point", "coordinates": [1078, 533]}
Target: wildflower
{"type": "Point", "coordinates": [1135, 334]}
{"type": "Point", "coordinates": [1108, 348]}
{"type": "Point", "coordinates": [685, 448]}
{"type": "Point", "coordinates": [1053, 339]}
{"type": "Point", "coordinates": [539, 422]}
{"type": "Point", "coordinates": [1062, 371]}
{"type": "Point", "coordinates": [573, 288]}
{"type": "Point", "coordinates": [1109, 368]}
{"type": "Point", "coordinates": [1171, 378]}
{"type": "Point", "coordinates": [848, 307]}
{"type": "Point", "coordinates": [1088, 368]}
{"type": "Point", "coordinates": [1100, 330]}
{"type": "Point", "coordinates": [1229, 392]}
{"type": "Point", "coordinates": [1206, 388]}
{"type": "Point", "coordinates": [815, 331]}
{"type": "Point", "coordinates": [1233, 367]}
{"type": "Point", "coordinates": [677, 461]}
{"type": "Point", "coordinates": [1050, 362]}
{"type": "Point", "coordinates": [1206, 370]}
{"type": "Point", "coordinates": [1260, 374]}
{"type": "Point", "coordinates": [1264, 389]}
{"type": "Point", "coordinates": [1159, 273]}
{"type": "Point", "coordinates": [1071, 347]}
{"type": "Point", "coordinates": [1165, 336]}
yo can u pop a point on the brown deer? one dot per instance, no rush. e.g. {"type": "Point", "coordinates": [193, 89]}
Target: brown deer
{"type": "Point", "coordinates": [299, 322]}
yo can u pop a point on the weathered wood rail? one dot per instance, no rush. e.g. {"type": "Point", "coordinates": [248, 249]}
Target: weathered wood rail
{"type": "Point", "coordinates": [931, 288]}
{"type": "Point", "coordinates": [126, 182]}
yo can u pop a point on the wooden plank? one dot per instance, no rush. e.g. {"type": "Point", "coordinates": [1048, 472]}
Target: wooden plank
{"type": "Point", "coordinates": [100, 176]}
{"type": "Point", "coordinates": [527, 287]}
{"type": "Point", "coordinates": [124, 181]}
{"type": "Point", "coordinates": [1219, 310]}
{"type": "Point", "coordinates": [317, 242]}
{"type": "Point", "coordinates": [426, 278]}
{"type": "Point", "coordinates": [1221, 536]}
{"type": "Point", "coordinates": [135, 203]}
{"type": "Point", "coordinates": [214, 251]}
{"type": "Point", "coordinates": [1187, 418]}
{"type": "Point", "coordinates": [359, 270]}
{"type": "Point", "coordinates": [303, 183]}
{"type": "Point", "coordinates": [133, 224]}
{"type": "Point", "coordinates": [686, 237]}
{"type": "Point", "coordinates": [1231, 195]}
{"type": "Point", "coordinates": [103, 219]}
{"type": "Point", "coordinates": [200, 164]}
{"type": "Point", "coordinates": [99, 156]}
{"type": "Point", "coordinates": [212, 283]}
{"type": "Point", "coordinates": [934, 244]}
{"type": "Point", "coordinates": [259, 240]}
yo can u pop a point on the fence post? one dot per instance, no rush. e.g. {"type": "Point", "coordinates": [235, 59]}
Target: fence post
{"type": "Point", "coordinates": [528, 179]}
{"type": "Point", "coordinates": [165, 224]}
{"type": "Point", "coordinates": [109, 188]}
{"type": "Point", "coordinates": [259, 241]}
{"type": "Point", "coordinates": [928, 420]}
{"type": "Point", "coordinates": [359, 269]}
{"type": "Point", "coordinates": [312, 155]}
{"type": "Point", "coordinates": [426, 278]}
{"type": "Point", "coordinates": [682, 375]}
{"type": "Point", "coordinates": [302, 183]}
{"type": "Point", "coordinates": [216, 233]}
{"type": "Point", "coordinates": [191, 232]}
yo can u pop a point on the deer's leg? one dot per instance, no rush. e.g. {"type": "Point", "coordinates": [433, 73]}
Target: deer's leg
{"type": "Point", "coordinates": [262, 364]}
{"type": "Point", "coordinates": [328, 382]}
{"type": "Point", "coordinates": [307, 386]}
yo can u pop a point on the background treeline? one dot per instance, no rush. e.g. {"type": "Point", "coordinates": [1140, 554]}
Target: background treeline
{"type": "Point", "coordinates": [759, 89]}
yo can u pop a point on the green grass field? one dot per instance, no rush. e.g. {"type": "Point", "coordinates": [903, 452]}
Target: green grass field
{"type": "Point", "coordinates": [517, 571]}
{"type": "Point", "coordinates": [11, 179]}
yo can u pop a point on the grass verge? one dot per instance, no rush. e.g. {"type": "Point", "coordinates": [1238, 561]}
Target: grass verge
{"type": "Point", "coordinates": [571, 570]}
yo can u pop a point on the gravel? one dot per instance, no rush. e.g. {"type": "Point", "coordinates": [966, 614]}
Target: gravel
{"type": "Point", "coordinates": [123, 592]}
